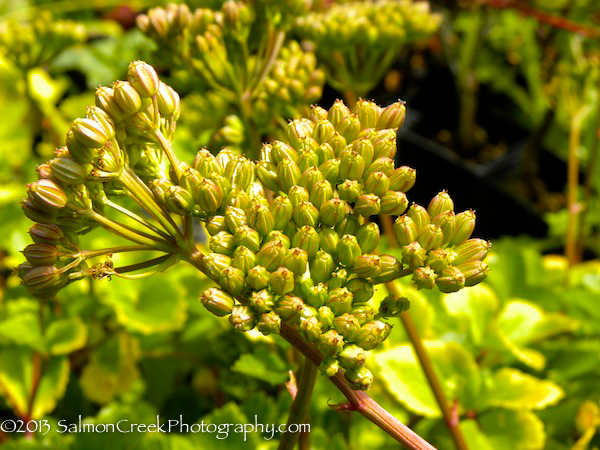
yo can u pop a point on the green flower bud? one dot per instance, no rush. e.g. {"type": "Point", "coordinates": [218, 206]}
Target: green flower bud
{"type": "Point", "coordinates": [447, 222]}
{"type": "Point", "coordinates": [267, 174]}
{"type": "Point", "coordinates": [307, 239]}
{"type": "Point", "coordinates": [378, 183]}
{"type": "Point", "coordinates": [168, 101]}
{"type": "Point", "coordinates": [247, 237]}
{"type": "Point", "coordinates": [360, 377]}
{"type": "Point", "coordinates": [216, 224]}
{"type": "Point", "coordinates": [41, 254]}
{"type": "Point", "coordinates": [474, 272]}
{"type": "Point", "coordinates": [419, 216]}
{"type": "Point", "coordinates": [340, 301]}
{"type": "Point", "coordinates": [307, 159]}
{"type": "Point", "coordinates": [439, 204]}
{"type": "Point", "coordinates": [352, 166]}
{"type": "Point", "coordinates": [364, 148]}
{"type": "Point", "coordinates": [223, 184]}
{"type": "Point", "coordinates": [272, 255]}
{"type": "Point", "coordinates": [261, 219]}
{"type": "Point", "coordinates": [413, 255]}
{"type": "Point", "coordinates": [349, 127]}
{"type": "Point", "coordinates": [190, 177]}
{"type": "Point", "coordinates": [331, 170]}
{"type": "Point", "coordinates": [240, 172]}
{"type": "Point", "coordinates": [368, 113]}
{"type": "Point", "coordinates": [324, 153]}
{"type": "Point", "coordinates": [352, 356]}
{"type": "Point", "coordinates": [258, 278]}
{"type": "Point", "coordinates": [382, 164]}
{"type": "Point", "coordinates": [208, 196]}
{"type": "Point", "coordinates": [235, 218]}
{"type": "Point", "coordinates": [296, 261]}
{"type": "Point", "coordinates": [46, 195]}
{"type": "Point", "coordinates": [222, 243]}
{"type": "Point", "coordinates": [206, 164]}
{"type": "Point", "coordinates": [321, 192]}
{"type": "Point", "coordinates": [44, 280]}
{"type": "Point", "coordinates": [262, 301]}
{"type": "Point", "coordinates": [424, 277]}
{"type": "Point", "coordinates": [225, 155]}
{"type": "Point", "coordinates": [299, 130]}
{"type": "Point", "coordinates": [451, 279]}
{"type": "Point", "coordinates": [180, 201]}
{"type": "Point", "coordinates": [431, 237]}
{"type": "Point", "coordinates": [337, 143]}
{"type": "Point", "coordinates": [317, 113]}
{"type": "Point", "coordinates": [367, 205]}
{"type": "Point", "coordinates": [242, 318]}
{"type": "Point", "coordinates": [367, 265]}
{"type": "Point", "coordinates": [372, 334]}
{"type": "Point", "coordinates": [402, 179]}
{"type": "Point", "coordinates": [384, 143]}
{"type": "Point", "coordinates": [282, 281]}
{"type": "Point", "coordinates": [325, 316]}
{"type": "Point", "coordinates": [337, 113]}
{"type": "Point", "coordinates": [363, 312]}
{"type": "Point", "coordinates": [471, 250]}
{"type": "Point", "coordinates": [23, 268]}
{"type": "Point", "coordinates": [289, 307]}
{"type": "Point", "coordinates": [321, 267]}
{"type": "Point", "coordinates": [306, 214]}
{"type": "Point", "coordinates": [317, 295]}
{"type": "Point", "coordinates": [438, 259]}
{"type": "Point", "coordinates": [350, 190]}
{"type": "Point", "coordinates": [310, 178]}
{"type": "Point", "coordinates": [101, 117]}
{"type": "Point", "coordinates": [465, 224]}
{"type": "Point", "coordinates": [389, 269]}
{"type": "Point", "coordinates": [330, 343]}
{"type": "Point", "coordinates": [143, 78]}
{"type": "Point", "coordinates": [338, 279]}
{"type": "Point", "coordinates": [348, 250]}
{"type": "Point", "coordinates": [232, 280]}
{"type": "Point", "coordinates": [105, 99]}
{"type": "Point", "coordinates": [310, 327]}
{"type": "Point", "coordinates": [278, 236]}
{"type": "Point", "coordinates": [46, 234]}
{"type": "Point", "coordinates": [361, 289]}
{"type": "Point", "coordinates": [392, 116]}
{"type": "Point", "coordinates": [281, 208]}
{"type": "Point", "coordinates": [297, 195]}
{"type": "Point", "coordinates": [348, 226]}
{"type": "Point", "coordinates": [368, 237]}
{"type": "Point", "coordinates": [392, 306]}
{"type": "Point", "coordinates": [78, 151]}
{"type": "Point", "coordinates": [269, 323]}
{"type": "Point", "coordinates": [333, 212]}
{"type": "Point", "coordinates": [281, 151]}
{"type": "Point", "coordinates": [347, 325]}
{"type": "Point", "coordinates": [394, 202]}
{"type": "Point", "coordinates": [329, 241]}
{"type": "Point", "coordinates": [323, 131]}
{"type": "Point", "coordinates": [127, 98]}
{"type": "Point", "coordinates": [67, 171]}
{"type": "Point", "coordinates": [33, 212]}
{"type": "Point", "coordinates": [243, 259]}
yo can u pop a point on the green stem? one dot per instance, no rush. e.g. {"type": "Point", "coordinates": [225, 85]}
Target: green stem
{"type": "Point", "coordinates": [168, 149]}
{"type": "Point", "coordinates": [300, 404]}
{"type": "Point", "coordinates": [359, 401]}
{"type": "Point", "coordinates": [135, 217]}
{"type": "Point", "coordinates": [452, 422]}
{"type": "Point", "coordinates": [277, 42]}
{"type": "Point", "coordinates": [572, 185]}
{"type": "Point", "coordinates": [86, 254]}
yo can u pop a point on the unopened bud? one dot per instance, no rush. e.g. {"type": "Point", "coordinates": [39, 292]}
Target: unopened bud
{"type": "Point", "coordinates": [258, 278]}
{"type": "Point", "coordinates": [392, 116]}
{"type": "Point", "coordinates": [451, 279]}
{"type": "Point", "coordinates": [289, 307]}
{"type": "Point", "coordinates": [330, 343]}
{"type": "Point", "coordinates": [217, 302]}
{"type": "Point", "coordinates": [471, 250]}
{"type": "Point", "coordinates": [338, 112]}
{"type": "Point", "coordinates": [269, 323]}
{"type": "Point", "coordinates": [403, 178]}
{"type": "Point", "coordinates": [242, 318]}
{"type": "Point", "coordinates": [352, 166]}
{"type": "Point", "coordinates": [340, 301]}
{"type": "Point", "coordinates": [46, 234]}
{"type": "Point", "coordinates": [367, 205]}
{"type": "Point", "coordinates": [352, 356]}
{"type": "Point", "coordinates": [127, 98]}
{"type": "Point", "coordinates": [368, 113]}
{"type": "Point", "coordinates": [143, 78]}
{"type": "Point", "coordinates": [45, 194]}
{"type": "Point", "coordinates": [361, 289]}
{"type": "Point", "coordinates": [465, 224]}
{"type": "Point", "coordinates": [474, 271]}
{"type": "Point", "coordinates": [348, 250]}
{"type": "Point", "coordinates": [243, 259]}
{"type": "Point", "coordinates": [307, 239]}
{"type": "Point", "coordinates": [41, 254]}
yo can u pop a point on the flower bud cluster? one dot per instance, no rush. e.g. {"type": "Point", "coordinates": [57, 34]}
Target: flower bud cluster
{"type": "Point", "coordinates": [436, 246]}
{"type": "Point", "coordinates": [379, 24]}
{"type": "Point", "coordinates": [306, 257]}
{"type": "Point", "coordinates": [36, 43]}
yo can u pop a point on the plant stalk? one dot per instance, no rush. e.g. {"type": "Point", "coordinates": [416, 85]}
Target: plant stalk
{"type": "Point", "coordinates": [300, 404]}
{"type": "Point", "coordinates": [572, 185]}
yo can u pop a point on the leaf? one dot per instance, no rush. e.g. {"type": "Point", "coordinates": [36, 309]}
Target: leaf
{"type": "Point", "coordinates": [454, 365]}
{"type": "Point", "coordinates": [515, 430]}
{"type": "Point", "coordinates": [65, 336]}
{"type": "Point", "coordinates": [17, 381]}
{"type": "Point", "coordinates": [263, 365]}
{"type": "Point", "coordinates": [23, 329]}
{"type": "Point", "coordinates": [156, 306]}
{"type": "Point", "coordinates": [475, 307]}
{"type": "Point", "coordinates": [513, 389]}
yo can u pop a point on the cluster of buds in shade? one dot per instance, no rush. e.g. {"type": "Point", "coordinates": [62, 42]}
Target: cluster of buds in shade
{"type": "Point", "coordinates": [35, 43]}
{"type": "Point", "coordinates": [231, 55]}
{"type": "Point", "coordinates": [307, 256]}
{"type": "Point", "coordinates": [120, 141]}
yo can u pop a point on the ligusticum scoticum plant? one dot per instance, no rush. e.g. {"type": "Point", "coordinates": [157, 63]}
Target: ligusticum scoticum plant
{"type": "Point", "coordinates": [291, 240]}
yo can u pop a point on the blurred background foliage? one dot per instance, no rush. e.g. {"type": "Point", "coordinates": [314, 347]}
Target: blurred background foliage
{"type": "Point", "coordinates": [503, 110]}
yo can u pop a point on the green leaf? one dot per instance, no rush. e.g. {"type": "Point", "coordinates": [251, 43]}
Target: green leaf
{"type": "Point", "coordinates": [65, 336]}
{"type": "Point", "coordinates": [516, 430]}
{"type": "Point", "coordinates": [17, 381]}
{"type": "Point", "coordinates": [456, 369]}
{"type": "Point", "coordinates": [513, 389]}
{"type": "Point", "coordinates": [23, 329]}
{"type": "Point", "coordinates": [263, 365]}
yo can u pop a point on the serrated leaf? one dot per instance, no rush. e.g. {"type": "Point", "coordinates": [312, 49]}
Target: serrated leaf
{"type": "Point", "coordinates": [516, 430]}
{"type": "Point", "coordinates": [454, 365]}
{"type": "Point", "coordinates": [262, 365]}
{"type": "Point", "coordinates": [16, 381]}
{"type": "Point", "coordinates": [65, 336]}
{"type": "Point", "coordinates": [513, 389]}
